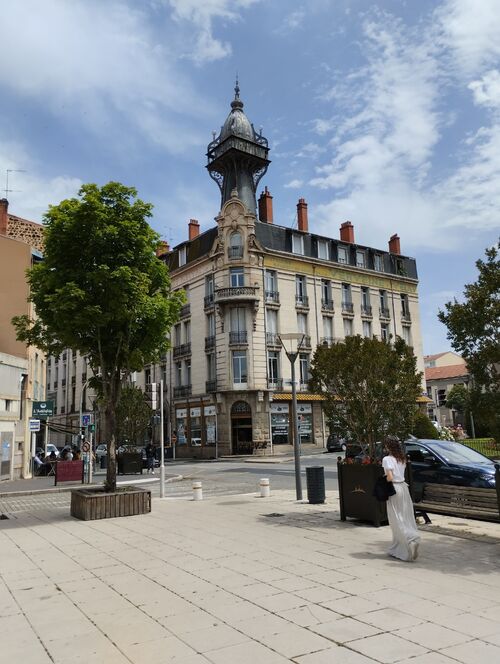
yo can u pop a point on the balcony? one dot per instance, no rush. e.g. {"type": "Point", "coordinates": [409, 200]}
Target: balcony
{"type": "Point", "coordinates": [185, 310]}
{"type": "Point", "coordinates": [366, 311]}
{"type": "Point", "coordinates": [326, 304]}
{"type": "Point", "coordinates": [272, 339]}
{"type": "Point", "coordinates": [384, 312]}
{"type": "Point", "coordinates": [236, 294]}
{"type": "Point", "coordinates": [209, 342]}
{"type": "Point", "coordinates": [306, 342]}
{"type": "Point", "coordinates": [302, 301]}
{"type": "Point", "coordinates": [182, 350]}
{"type": "Point", "coordinates": [326, 341]}
{"type": "Point", "coordinates": [275, 384]}
{"type": "Point", "coordinates": [210, 386]}
{"type": "Point", "coordinates": [347, 308]}
{"type": "Point", "coordinates": [406, 317]}
{"type": "Point", "coordinates": [63, 382]}
{"type": "Point", "coordinates": [73, 380]}
{"type": "Point", "coordinates": [234, 253]}
{"type": "Point", "coordinates": [303, 387]}
{"type": "Point", "coordinates": [236, 338]}
{"type": "Point", "coordinates": [272, 297]}
{"type": "Point", "coordinates": [182, 391]}
{"type": "Point", "coordinates": [209, 301]}
{"type": "Point", "coordinates": [55, 384]}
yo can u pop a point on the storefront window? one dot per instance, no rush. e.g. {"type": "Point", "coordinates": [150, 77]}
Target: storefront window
{"type": "Point", "coordinates": [195, 417]}
{"type": "Point", "coordinates": [210, 425]}
{"type": "Point", "coordinates": [304, 415]}
{"type": "Point", "coordinates": [181, 425]}
{"type": "Point", "coordinates": [280, 424]}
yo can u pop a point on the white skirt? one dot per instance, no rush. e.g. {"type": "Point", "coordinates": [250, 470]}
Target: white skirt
{"type": "Point", "coordinates": [405, 537]}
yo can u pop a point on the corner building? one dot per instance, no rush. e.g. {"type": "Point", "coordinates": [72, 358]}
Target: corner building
{"type": "Point", "coordinates": [247, 280]}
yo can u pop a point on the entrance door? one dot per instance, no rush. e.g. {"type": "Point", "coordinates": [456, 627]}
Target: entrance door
{"type": "Point", "coordinates": [6, 444]}
{"type": "Point", "coordinates": [241, 428]}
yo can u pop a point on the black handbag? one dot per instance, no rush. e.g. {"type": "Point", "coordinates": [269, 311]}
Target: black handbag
{"type": "Point", "coordinates": [383, 489]}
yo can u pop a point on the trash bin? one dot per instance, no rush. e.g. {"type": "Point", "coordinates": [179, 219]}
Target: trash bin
{"type": "Point", "coordinates": [103, 461]}
{"type": "Point", "coordinates": [315, 476]}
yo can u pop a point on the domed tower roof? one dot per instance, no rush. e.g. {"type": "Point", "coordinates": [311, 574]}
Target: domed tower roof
{"type": "Point", "coordinates": [237, 123]}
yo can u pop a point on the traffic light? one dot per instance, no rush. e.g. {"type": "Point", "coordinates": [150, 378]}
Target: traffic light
{"type": "Point", "coordinates": [152, 395]}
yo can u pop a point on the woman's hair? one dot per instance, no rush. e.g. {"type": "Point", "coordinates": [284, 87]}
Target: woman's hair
{"type": "Point", "coordinates": [395, 448]}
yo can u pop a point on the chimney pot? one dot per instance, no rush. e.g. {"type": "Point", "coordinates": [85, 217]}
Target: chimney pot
{"type": "Point", "coordinates": [266, 207]}
{"type": "Point", "coordinates": [194, 229]}
{"type": "Point", "coordinates": [394, 244]}
{"type": "Point", "coordinates": [4, 216]}
{"type": "Point", "coordinates": [162, 248]}
{"type": "Point", "coordinates": [302, 220]}
{"type": "Point", "coordinates": [347, 232]}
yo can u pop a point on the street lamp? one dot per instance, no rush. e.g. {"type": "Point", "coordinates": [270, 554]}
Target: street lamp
{"type": "Point", "coordinates": [292, 343]}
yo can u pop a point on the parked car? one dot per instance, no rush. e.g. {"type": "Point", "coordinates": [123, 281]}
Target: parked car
{"type": "Point", "coordinates": [336, 444]}
{"type": "Point", "coordinates": [51, 448]}
{"type": "Point", "coordinates": [448, 462]}
{"type": "Point", "coordinates": [101, 450]}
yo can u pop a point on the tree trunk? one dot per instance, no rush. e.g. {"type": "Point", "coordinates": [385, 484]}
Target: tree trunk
{"type": "Point", "coordinates": [110, 418]}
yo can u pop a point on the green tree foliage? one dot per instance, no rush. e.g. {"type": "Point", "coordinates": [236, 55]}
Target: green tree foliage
{"type": "Point", "coordinates": [423, 427]}
{"type": "Point", "coordinates": [102, 291]}
{"type": "Point", "coordinates": [458, 398]}
{"type": "Point", "coordinates": [474, 332]}
{"type": "Point", "coordinates": [133, 416]}
{"type": "Point", "coordinates": [370, 386]}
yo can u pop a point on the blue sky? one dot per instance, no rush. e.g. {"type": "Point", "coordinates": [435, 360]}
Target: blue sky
{"type": "Point", "coordinates": [386, 114]}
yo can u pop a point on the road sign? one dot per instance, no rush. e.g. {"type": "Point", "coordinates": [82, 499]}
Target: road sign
{"type": "Point", "coordinates": [87, 419]}
{"type": "Point", "coordinates": [34, 425]}
{"type": "Point", "coordinates": [43, 408]}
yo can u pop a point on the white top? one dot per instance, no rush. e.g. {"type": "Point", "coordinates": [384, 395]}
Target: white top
{"type": "Point", "coordinates": [398, 468]}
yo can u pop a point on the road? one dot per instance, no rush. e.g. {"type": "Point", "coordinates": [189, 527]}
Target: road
{"type": "Point", "coordinates": [218, 478]}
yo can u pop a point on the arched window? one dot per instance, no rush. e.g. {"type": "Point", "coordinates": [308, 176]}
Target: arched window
{"type": "Point", "coordinates": [236, 245]}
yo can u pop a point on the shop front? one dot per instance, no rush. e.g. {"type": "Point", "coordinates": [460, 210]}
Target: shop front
{"type": "Point", "coordinates": [194, 431]}
{"type": "Point", "coordinates": [309, 416]}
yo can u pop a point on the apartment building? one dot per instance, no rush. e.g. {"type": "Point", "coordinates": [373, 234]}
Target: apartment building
{"type": "Point", "coordinates": [247, 280]}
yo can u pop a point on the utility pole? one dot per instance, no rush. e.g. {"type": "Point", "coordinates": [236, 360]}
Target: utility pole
{"type": "Point", "coordinates": [162, 444]}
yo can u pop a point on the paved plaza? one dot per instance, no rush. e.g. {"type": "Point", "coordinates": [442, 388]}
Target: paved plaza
{"type": "Point", "coordinates": [243, 580]}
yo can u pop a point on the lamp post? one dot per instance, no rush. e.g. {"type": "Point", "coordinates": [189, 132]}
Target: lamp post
{"type": "Point", "coordinates": [291, 343]}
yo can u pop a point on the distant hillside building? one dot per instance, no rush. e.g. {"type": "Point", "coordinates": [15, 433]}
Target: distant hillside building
{"type": "Point", "coordinates": [442, 372]}
{"type": "Point", "coordinates": [248, 279]}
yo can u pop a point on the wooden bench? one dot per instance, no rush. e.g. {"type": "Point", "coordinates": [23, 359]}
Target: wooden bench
{"type": "Point", "coordinates": [467, 502]}
{"type": "Point", "coordinates": [69, 471]}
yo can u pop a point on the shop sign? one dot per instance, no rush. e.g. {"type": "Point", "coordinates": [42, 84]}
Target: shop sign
{"type": "Point", "coordinates": [181, 413]}
{"type": "Point", "coordinates": [304, 408]}
{"type": "Point", "coordinates": [209, 411]}
{"type": "Point", "coordinates": [195, 412]}
{"type": "Point", "coordinates": [279, 408]}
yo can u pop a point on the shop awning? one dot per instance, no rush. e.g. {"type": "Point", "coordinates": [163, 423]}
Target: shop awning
{"type": "Point", "coordinates": [287, 396]}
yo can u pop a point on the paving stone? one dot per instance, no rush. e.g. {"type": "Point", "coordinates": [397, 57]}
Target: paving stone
{"type": "Point", "coordinates": [213, 638]}
{"type": "Point", "coordinates": [344, 630]}
{"type": "Point", "coordinates": [474, 652]}
{"type": "Point", "coordinates": [471, 624]}
{"type": "Point", "coordinates": [246, 653]}
{"type": "Point", "coordinates": [294, 641]}
{"type": "Point", "coordinates": [432, 637]}
{"type": "Point", "coordinates": [334, 654]}
{"type": "Point", "coordinates": [388, 620]}
{"type": "Point", "coordinates": [386, 648]}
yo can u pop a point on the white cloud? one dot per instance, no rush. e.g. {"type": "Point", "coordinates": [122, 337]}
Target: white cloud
{"type": "Point", "coordinates": [202, 13]}
{"type": "Point", "coordinates": [486, 90]}
{"type": "Point", "coordinates": [294, 184]}
{"type": "Point", "coordinates": [90, 62]}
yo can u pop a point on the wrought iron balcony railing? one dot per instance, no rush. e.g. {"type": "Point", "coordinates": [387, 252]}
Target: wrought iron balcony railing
{"type": "Point", "coordinates": [306, 342]}
{"type": "Point", "coordinates": [210, 386]}
{"type": "Point", "coordinates": [185, 310]}
{"type": "Point", "coordinates": [235, 252]}
{"type": "Point", "coordinates": [406, 317]}
{"type": "Point", "coordinates": [63, 382]}
{"type": "Point", "coordinates": [366, 310]}
{"type": "Point", "coordinates": [347, 308]}
{"type": "Point", "coordinates": [302, 301]}
{"type": "Point", "coordinates": [209, 301]}
{"type": "Point", "coordinates": [209, 342]}
{"type": "Point", "coordinates": [326, 341]}
{"type": "Point", "coordinates": [272, 339]}
{"type": "Point", "coordinates": [272, 297]}
{"type": "Point", "coordinates": [327, 304]}
{"type": "Point", "coordinates": [237, 338]}
{"type": "Point", "coordinates": [182, 391]}
{"type": "Point", "coordinates": [236, 294]}
{"type": "Point", "coordinates": [183, 349]}
{"type": "Point", "coordinates": [384, 312]}
{"type": "Point", "coordinates": [275, 383]}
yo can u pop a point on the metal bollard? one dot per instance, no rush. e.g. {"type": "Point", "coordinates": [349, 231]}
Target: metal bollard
{"type": "Point", "coordinates": [197, 491]}
{"type": "Point", "coordinates": [265, 489]}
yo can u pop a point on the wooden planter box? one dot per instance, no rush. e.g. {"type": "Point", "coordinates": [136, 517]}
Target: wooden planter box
{"type": "Point", "coordinates": [356, 483]}
{"type": "Point", "coordinates": [90, 504]}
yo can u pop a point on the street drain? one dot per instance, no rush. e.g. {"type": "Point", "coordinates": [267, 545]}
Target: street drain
{"type": "Point", "coordinates": [273, 515]}
{"type": "Point", "coordinates": [3, 517]}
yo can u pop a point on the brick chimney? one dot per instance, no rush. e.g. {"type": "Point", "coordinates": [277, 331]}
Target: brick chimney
{"type": "Point", "coordinates": [347, 232]}
{"type": "Point", "coordinates": [302, 221]}
{"type": "Point", "coordinates": [266, 207]}
{"type": "Point", "coordinates": [194, 229]}
{"type": "Point", "coordinates": [4, 216]}
{"type": "Point", "coordinates": [394, 245]}
{"type": "Point", "coordinates": [162, 248]}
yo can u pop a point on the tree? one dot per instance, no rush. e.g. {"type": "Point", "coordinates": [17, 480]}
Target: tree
{"type": "Point", "coordinates": [102, 291]}
{"type": "Point", "coordinates": [474, 332]}
{"type": "Point", "coordinates": [370, 386]}
{"type": "Point", "coordinates": [458, 398]}
{"type": "Point", "coordinates": [133, 416]}
{"type": "Point", "coordinates": [423, 427]}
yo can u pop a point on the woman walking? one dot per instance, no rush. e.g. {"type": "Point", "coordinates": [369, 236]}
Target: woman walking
{"type": "Point", "coordinates": [405, 537]}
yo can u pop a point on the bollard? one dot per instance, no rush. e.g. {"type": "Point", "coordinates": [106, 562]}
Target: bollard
{"type": "Point", "coordinates": [197, 491]}
{"type": "Point", "coordinates": [265, 490]}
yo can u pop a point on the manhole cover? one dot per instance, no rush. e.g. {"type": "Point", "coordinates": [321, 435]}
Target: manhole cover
{"type": "Point", "coordinates": [273, 515]}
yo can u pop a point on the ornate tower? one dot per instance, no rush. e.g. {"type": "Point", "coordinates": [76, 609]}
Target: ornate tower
{"type": "Point", "coordinates": [237, 158]}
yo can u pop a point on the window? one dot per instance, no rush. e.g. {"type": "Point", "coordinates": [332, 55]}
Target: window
{"type": "Point", "coordinates": [178, 374]}
{"type": "Point", "coordinates": [211, 366]}
{"type": "Point", "coordinates": [236, 277]}
{"type": "Point", "coordinates": [187, 372]}
{"type": "Point", "coordinates": [271, 281]}
{"type": "Point", "coordinates": [271, 321]}
{"type": "Point", "coordinates": [384, 331]}
{"type": "Point", "coordinates": [297, 244]}
{"type": "Point", "coordinates": [304, 368]}
{"type": "Point", "coordinates": [235, 245]}
{"type": "Point", "coordinates": [187, 332]}
{"type": "Point", "coordinates": [326, 294]}
{"type": "Point", "coordinates": [365, 299]}
{"type": "Point", "coordinates": [328, 329]}
{"type": "Point", "coordinates": [323, 249]}
{"type": "Point", "coordinates": [367, 329]}
{"type": "Point", "coordinates": [441, 397]}
{"type": "Point", "coordinates": [239, 366]}
{"type": "Point", "coordinates": [407, 334]}
{"type": "Point", "coordinates": [377, 262]}
{"type": "Point", "coordinates": [346, 294]}
{"type": "Point", "coordinates": [405, 307]}
{"type": "Point", "coordinates": [383, 299]}
{"type": "Point", "coordinates": [237, 319]}
{"type": "Point", "coordinates": [210, 325]}
{"type": "Point", "coordinates": [360, 259]}
{"type": "Point", "coordinates": [273, 359]}
{"type": "Point", "coordinates": [302, 323]}
{"type": "Point", "coordinates": [347, 327]}
{"type": "Point", "coordinates": [209, 286]}
{"type": "Point", "coordinates": [182, 256]}
{"type": "Point", "coordinates": [177, 335]}
{"type": "Point", "coordinates": [300, 290]}
{"type": "Point", "coordinates": [342, 254]}
{"type": "Point", "coordinates": [147, 375]}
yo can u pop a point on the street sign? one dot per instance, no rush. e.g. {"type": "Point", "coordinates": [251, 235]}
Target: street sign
{"type": "Point", "coordinates": [87, 419]}
{"type": "Point", "coordinates": [34, 425]}
{"type": "Point", "coordinates": [43, 408]}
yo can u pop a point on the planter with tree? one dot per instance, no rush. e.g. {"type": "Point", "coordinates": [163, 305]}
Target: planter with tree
{"type": "Point", "coordinates": [102, 291]}
{"type": "Point", "coordinates": [370, 389]}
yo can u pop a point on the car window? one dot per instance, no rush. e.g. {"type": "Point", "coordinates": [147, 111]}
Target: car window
{"type": "Point", "coordinates": [459, 454]}
{"type": "Point", "coordinates": [418, 453]}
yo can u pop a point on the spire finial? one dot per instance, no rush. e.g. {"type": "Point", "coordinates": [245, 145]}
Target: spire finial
{"type": "Point", "coordinates": [237, 88]}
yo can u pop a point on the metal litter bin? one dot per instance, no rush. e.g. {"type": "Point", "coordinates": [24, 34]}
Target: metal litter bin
{"type": "Point", "coordinates": [315, 476]}
{"type": "Point", "coordinates": [103, 461]}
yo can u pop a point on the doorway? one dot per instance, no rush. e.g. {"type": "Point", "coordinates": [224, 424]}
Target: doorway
{"type": "Point", "coordinates": [241, 428]}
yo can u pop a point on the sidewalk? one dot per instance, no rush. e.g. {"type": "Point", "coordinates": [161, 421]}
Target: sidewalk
{"type": "Point", "coordinates": [244, 580]}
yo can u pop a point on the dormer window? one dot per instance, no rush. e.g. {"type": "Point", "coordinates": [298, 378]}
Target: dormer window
{"type": "Point", "coordinates": [377, 262]}
{"type": "Point", "coordinates": [182, 256]}
{"type": "Point", "coordinates": [360, 259]}
{"type": "Point", "coordinates": [342, 254]}
{"type": "Point", "coordinates": [298, 244]}
{"type": "Point", "coordinates": [235, 245]}
{"type": "Point", "coordinates": [323, 249]}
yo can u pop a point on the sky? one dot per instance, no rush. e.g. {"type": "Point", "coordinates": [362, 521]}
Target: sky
{"type": "Point", "coordinates": [384, 113]}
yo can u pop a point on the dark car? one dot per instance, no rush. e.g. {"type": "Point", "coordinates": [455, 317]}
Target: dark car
{"type": "Point", "coordinates": [447, 462]}
{"type": "Point", "coordinates": [335, 444]}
